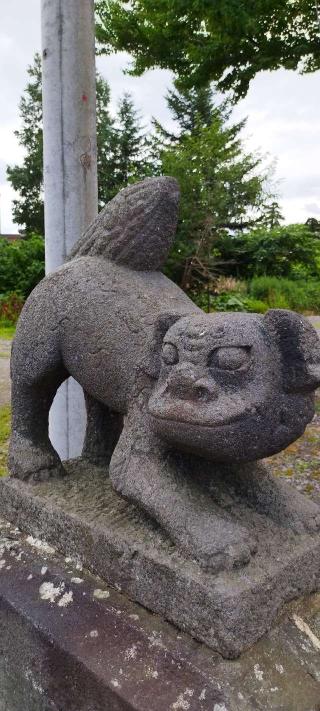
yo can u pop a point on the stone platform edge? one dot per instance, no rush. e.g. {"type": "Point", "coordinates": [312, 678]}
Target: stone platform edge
{"type": "Point", "coordinates": [228, 612]}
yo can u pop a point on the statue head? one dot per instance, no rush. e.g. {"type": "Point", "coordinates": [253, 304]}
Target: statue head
{"type": "Point", "coordinates": [233, 387]}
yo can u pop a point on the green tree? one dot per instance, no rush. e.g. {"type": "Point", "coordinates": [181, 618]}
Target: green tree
{"type": "Point", "coordinates": [131, 147]}
{"type": "Point", "coordinates": [21, 265]}
{"type": "Point", "coordinates": [272, 216]}
{"type": "Point", "coordinates": [314, 225]}
{"type": "Point", "coordinates": [122, 151]}
{"type": "Point", "coordinates": [189, 108]}
{"type": "Point", "coordinates": [291, 251]}
{"type": "Point", "coordinates": [26, 179]}
{"type": "Point", "coordinates": [222, 189]}
{"type": "Point", "coordinates": [222, 40]}
{"type": "Point", "coordinates": [105, 143]}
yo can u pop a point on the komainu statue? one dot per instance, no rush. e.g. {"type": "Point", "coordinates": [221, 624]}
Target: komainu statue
{"type": "Point", "coordinates": [181, 405]}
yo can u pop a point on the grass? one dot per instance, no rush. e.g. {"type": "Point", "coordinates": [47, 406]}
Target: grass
{"type": "Point", "coordinates": [7, 332]}
{"type": "Point", "coordinates": [5, 421]}
{"type": "Point", "coordinates": [280, 293]}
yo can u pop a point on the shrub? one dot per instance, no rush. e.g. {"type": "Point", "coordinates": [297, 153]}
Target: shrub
{"type": "Point", "coordinates": [21, 265]}
{"type": "Point", "coordinates": [290, 251]}
{"type": "Point", "coordinates": [255, 306]}
{"type": "Point", "coordinates": [224, 285]}
{"type": "Point", "coordinates": [229, 302]}
{"type": "Point", "coordinates": [239, 302]}
{"type": "Point", "coordinates": [10, 307]}
{"type": "Point", "coordinates": [286, 293]}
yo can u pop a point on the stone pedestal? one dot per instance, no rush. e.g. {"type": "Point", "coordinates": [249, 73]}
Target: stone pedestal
{"type": "Point", "coordinates": [70, 642]}
{"type": "Point", "coordinates": [81, 515]}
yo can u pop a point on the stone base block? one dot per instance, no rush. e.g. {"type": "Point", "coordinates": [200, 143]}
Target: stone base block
{"type": "Point", "coordinates": [83, 517]}
{"type": "Point", "coordinates": [68, 642]}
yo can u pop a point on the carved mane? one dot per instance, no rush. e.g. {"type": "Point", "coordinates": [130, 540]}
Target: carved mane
{"type": "Point", "coordinates": [136, 228]}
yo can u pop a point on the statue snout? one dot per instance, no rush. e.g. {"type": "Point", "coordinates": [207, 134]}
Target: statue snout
{"type": "Point", "coordinates": [189, 383]}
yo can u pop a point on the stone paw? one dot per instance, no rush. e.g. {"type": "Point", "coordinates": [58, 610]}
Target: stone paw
{"type": "Point", "coordinates": [30, 462]}
{"type": "Point", "coordinates": [218, 544]}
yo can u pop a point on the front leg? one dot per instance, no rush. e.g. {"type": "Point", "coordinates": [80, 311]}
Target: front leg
{"type": "Point", "coordinates": [145, 473]}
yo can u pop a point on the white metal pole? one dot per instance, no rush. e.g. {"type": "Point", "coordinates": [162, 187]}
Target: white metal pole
{"type": "Point", "coordinates": [70, 167]}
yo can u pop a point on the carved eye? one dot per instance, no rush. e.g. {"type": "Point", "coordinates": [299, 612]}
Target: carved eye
{"type": "Point", "coordinates": [229, 358]}
{"type": "Point", "coordinates": [170, 354]}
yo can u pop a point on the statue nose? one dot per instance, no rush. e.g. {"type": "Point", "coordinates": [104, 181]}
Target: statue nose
{"type": "Point", "coordinates": [186, 384]}
{"type": "Point", "coordinates": [205, 390]}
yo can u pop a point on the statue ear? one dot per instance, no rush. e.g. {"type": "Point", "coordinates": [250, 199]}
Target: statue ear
{"type": "Point", "coordinates": [299, 347]}
{"type": "Point", "coordinates": [151, 364]}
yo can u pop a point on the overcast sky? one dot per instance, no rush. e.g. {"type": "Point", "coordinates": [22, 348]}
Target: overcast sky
{"type": "Point", "coordinates": [283, 111]}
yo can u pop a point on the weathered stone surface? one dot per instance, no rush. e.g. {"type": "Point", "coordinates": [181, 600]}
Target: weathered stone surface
{"type": "Point", "coordinates": [170, 391]}
{"type": "Point", "coordinates": [181, 404]}
{"type": "Point", "coordinates": [70, 643]}
{"type": "Point", "coordinates": [82, 516]}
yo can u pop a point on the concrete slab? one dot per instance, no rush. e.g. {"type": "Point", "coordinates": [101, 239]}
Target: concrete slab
{"type": "Point", "coordinates": [70, 642]}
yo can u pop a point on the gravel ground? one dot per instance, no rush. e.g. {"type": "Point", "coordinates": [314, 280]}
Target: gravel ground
{"type": "Point", "coordinates": [300, 462]}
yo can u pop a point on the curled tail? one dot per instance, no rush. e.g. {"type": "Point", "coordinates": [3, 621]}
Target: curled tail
{"type": "Point", "coordinates": [136, 228]}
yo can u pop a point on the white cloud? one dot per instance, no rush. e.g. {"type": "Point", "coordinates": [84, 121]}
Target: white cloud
{"type": "Point", "coordinates": [147, 91]}
{"type": "Point", "coordinates": [313, 208]}
{"type": "Point", "coordinates": [283, 110]}
{"type": "Point", "coordinates": [6, 197]}
{"type": "Point", "coordinates": [10, 151]}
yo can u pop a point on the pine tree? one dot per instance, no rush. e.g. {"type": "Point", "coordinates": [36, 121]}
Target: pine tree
{"type": "Point", "coordinates": [105, 143]}
{"type": "Point", "coordinates": [272, 216]}
{"type": "Point", "coordinates": [222, 189]}
{"type": "Point", "coordinates": [27, 179]}
{"type": "Point", "coordinates": [191, 108]}
{"type": "Point", "coordinates": [132, 160]}
{"type": "Point", "coordinates": [122, 151]}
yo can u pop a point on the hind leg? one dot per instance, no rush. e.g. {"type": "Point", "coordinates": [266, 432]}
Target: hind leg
{"type": "Point", "coordinates": [31, 454]}
{"type": "Point", "coordinates": [103, 431]}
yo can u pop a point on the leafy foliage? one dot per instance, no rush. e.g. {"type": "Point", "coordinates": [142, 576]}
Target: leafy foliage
{"type": "Point", "coordinates": [286, 251]}
{"type": "Point", "coordinates": [190, 108]}
{"type": "Point", "coordinates": [105, 139]}
{"type": "Point", "coordinates": [27, 179]}
{"type": "Point", "coordinates": [314, 226]}
{"type": "Point", "coordinates": [265, 292]}
{"type": "Point", "coordinates": [286, 294]}
{"type": "Point", "coordinates": [10, 308]}
{"type": "Point", "coordinates": [221, 188]}
{"type": "Point", "coordinates": [21, 265]}
{"type": "Point", "coordinates": [123, 149]}
{"type": "Point", "coordinates": [225, 40]}
{"type": "Point", "coordinates": [132, 160]}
